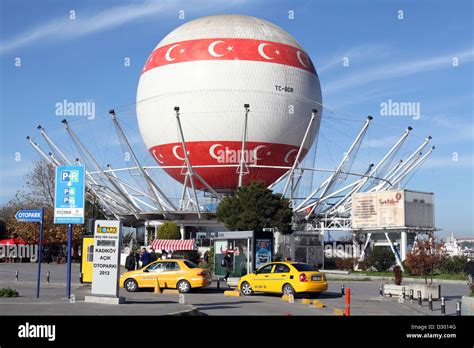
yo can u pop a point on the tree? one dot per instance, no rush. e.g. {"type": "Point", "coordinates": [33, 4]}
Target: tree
{"type": "Point", "coordinates": [169, 230]}
{"type": "Point", "coordinates": [255, 207]}
{"type": "Point", "coordinates": [381, 259]}
{"type": "Point", "coordinates": [426, 256]}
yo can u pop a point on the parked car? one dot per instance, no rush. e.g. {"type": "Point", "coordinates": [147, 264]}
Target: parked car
{"type": "Point", "coordinates": [183, 275]}
{"type": "Point", "coordinates": [284, 277]}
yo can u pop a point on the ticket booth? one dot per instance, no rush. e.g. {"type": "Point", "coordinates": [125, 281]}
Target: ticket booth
{"type": "Point", "coordinates": [86, 259]}
{"type": "Point", "coordinates": [249, 250]}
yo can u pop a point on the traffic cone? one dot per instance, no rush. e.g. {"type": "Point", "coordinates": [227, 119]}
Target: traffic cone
{"type": "Point", "coordinates": [157, 287]}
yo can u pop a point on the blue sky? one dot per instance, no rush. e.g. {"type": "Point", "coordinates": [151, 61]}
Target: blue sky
{"type": "Point", "coordinates": [403, 60]}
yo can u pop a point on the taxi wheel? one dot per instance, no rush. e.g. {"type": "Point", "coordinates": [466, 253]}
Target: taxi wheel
{"type": "Point", "coordinates": [131, 285]}
{"type": "Point", "coordinates": [288, 290]}
{"type": "Point", "coordinates": [246, 289]}
{"type": "Point", "coordinates": [183, 286]}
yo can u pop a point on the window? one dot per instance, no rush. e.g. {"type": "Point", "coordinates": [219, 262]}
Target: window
{"type": "Point", "coordinates": [171, 266]}
{"type": "Point", "coordinates": [265, 269]}
{"type": "Point", "coordinates": [190, 264]}
{"type": "Point", "coordinates": [304, 267]}
{"type": "Point", "coordinates": [155, 267]}
{"type": "Point", "coordinates": [281, 268]}
{"type": "Point", "coordinates": [90, 253]}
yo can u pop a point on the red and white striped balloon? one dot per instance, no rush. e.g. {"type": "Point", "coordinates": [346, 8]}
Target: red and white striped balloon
{"type": "Point", "coordinates": [210, 67]}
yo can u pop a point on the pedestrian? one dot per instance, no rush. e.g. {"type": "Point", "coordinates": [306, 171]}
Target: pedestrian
{"type": "Point", "coordinates": [470, 271]}
{"type": "Point", "coordinates": [130, 262]}
{"type": "Point", "coordinates": [152, 255]}
{"type": "Point", "coordinates": [227, 265]}
{"type": "Point", "coordinates": [145, 258]}
{"type": "Point", "coordinates": [137, 260]}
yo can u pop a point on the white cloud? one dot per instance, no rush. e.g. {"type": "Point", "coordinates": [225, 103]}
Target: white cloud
{"type": "Point", "coordinates": [398, 70]}
{"type": "Point", "coordinates": [62, 29]}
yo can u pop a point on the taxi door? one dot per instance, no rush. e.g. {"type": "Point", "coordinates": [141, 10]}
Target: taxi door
{"type": "Point", "coordinates": [263, 279]}
{"type": "Point", "coordinates": [281, 276]}
{"type": "Point", "coordinates": [148, 279]}
{"type": "Point", "coordinates": [170, 274]}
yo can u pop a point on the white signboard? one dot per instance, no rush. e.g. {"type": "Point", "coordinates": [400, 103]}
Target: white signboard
{"type": "Point", "coordinates": [378, 209]}
{"type": "Point", "coordinates": [106, 259]}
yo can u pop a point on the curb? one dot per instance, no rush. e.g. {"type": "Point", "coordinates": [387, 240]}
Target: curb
{"type": "Point", "coordinates": [414, 280]}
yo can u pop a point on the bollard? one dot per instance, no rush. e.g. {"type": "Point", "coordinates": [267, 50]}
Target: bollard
{"type": "Point", "coordinates": [16, 275]}
{"type": "Point", "coordinates": [420, 303]}
{"type": "Point", "coordinates": [381, 290]}
{"type": "Point", "coordinates": [411, 295]}
{"type": "Point", "coordinates": [430, 301]}
{"type": "Point", "coordinates": [443, 306]}
{"type": "Point", "coordinates": [218, 283]}
{"type": "Point", "coordinates": [458, 308]}
{"type": "Point", "coordinates": [348, 302]}
{"type": "Point", "coordinates": [342, 289]}
{"type": "Point", "coordinates": [47, 276]}
{"type": "Point", "coordinates": [403, 292]}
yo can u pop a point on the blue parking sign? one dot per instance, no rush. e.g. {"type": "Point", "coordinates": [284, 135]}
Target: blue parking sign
{"type": "Point", "coordinates": [69, 195]}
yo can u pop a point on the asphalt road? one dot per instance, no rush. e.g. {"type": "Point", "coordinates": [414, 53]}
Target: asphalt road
{"type": "Point", "coordinates": [365, 299]}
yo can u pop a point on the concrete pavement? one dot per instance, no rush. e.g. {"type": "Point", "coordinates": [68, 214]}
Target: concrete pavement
{"type": "Point", "coordinates": [207, 301]}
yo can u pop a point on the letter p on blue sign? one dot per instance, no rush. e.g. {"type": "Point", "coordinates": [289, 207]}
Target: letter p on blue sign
{"type": "Point", "coordinates": [69, 175]}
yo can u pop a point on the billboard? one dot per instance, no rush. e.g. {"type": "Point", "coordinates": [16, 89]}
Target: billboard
{"type": "Point", "coordinates": [392, 209]}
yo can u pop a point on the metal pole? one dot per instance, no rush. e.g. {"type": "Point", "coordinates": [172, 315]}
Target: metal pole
{"type": "Point", "coordinates": [242, 151]}
{"type": "Point", "coordinates": [68, 275]}
{"type": "Point", "coordinates": [458, 308]}
{"type": "Point", "coordinates": [403, 292]}
{"type": "Point", "coordinates": [443, 306]}
{"type": "Point", "coordinates": [420, 303]}
{"type": "Point", "coordinates": [411, 295]}
{"type": "Point", "coordinates": [48, 275]}
{"type": "Point", "coordinates": [342, 289]}
{"type": "Point", "coordinates": [188, 164]}
{"type": "Point", "coordinates": [39, 255]}
{"type": "Point", "coordinates": [381, 290]}
{"type": "Point", "coordinates": [430, 302]}
{"type": "Point", "coordinates": [16, 276]}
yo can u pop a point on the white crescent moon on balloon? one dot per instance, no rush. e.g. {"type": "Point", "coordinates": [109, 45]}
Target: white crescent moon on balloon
{"type": "Point", "coordinates": [288, 155]}
{"type": "Point", "coordinates": [167, 55]}
{"type": "Point", "coordinates": [261, 52]}
{"type": "Point", "coordinates": [212, 153]}
{"type": "Point", "coordinates": [298, 55]}
{"type": "Point", "coordinates": [211, 48]}
{"type": "Point", "coordinates": [156, 157]}
{"type": "Point", "coordinates": [175, 153]}
{"type": "Point", "coordinates": [255, 152]}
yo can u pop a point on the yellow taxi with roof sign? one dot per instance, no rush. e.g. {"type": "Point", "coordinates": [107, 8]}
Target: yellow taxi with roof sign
{"type": "Point", "coordinates": [284, 277]}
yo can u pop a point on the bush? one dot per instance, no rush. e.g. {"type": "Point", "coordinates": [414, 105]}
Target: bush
{"type": "Point", "coordinates": [381, 259]}
{"type": "Point", "coordinates": [453, 264]}
{"type": "Point", "coordinates": [363, 265]}
{"type": "Point", "coordinates": [345, 263]}
{"type": "Point", "coordinates": [7, 292]}
{"type": "Point", "coordinates": [169, 230]}
{"type": "Point", "coordinates": [398, 274]}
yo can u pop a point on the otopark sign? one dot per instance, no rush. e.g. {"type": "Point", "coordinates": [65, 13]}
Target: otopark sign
{"type": "Point", "coordinates": [106, 258]}
{"type": "Point", "coordinates": [70, 192]}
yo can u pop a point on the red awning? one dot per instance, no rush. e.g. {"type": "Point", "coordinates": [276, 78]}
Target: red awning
{"type": "Point", "coordinates": [12, 241]}
{"type": "Point", "coordinates": [173, 244]}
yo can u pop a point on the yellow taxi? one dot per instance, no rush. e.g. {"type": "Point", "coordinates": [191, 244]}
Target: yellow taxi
{"type": "Point", "coordinates": [183, 275]}
{"type": "Point", "coordinates": [284, 277]}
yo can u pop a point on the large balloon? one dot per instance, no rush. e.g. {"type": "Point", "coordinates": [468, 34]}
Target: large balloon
{"type": "Point", "coordinates": [210, 67]}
